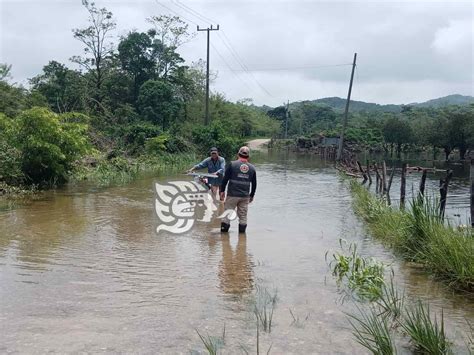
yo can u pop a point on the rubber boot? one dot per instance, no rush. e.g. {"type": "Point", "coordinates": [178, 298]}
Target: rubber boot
{"type": "Point", "coordinates": [225, 227]}
{"type": "Point", "coordinates": [242, 228]}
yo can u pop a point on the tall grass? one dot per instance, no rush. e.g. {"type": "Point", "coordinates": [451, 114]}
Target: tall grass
{"type": "Point", "coordinates": [426, 334]}
{"type": "Point", "coordinates": [419, 235]}
{"type": "Point", "coordinates": [373, 332]}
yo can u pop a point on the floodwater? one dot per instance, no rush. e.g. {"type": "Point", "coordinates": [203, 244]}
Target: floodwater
{"type": "Point", "coordinates": [83, 270]}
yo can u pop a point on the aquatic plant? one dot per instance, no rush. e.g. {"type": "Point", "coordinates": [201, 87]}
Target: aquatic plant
{"type": "Point", "coordinates": [264, 306]}
{"type": "Point", "coordinates": [360, 274]}
{"type": "Point", "coordinates": [372, 332]}
{"type": "Point", "coordinates": [212, 343]}
{"type": "Point", "coordinates": [391, 301]}
{"type": "Point", "coordinates": [427, 335]}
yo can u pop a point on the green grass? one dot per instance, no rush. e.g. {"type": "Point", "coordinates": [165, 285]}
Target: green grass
{"type": "Point", "coordinates": [419, 235]}
{"type": "Point", "coordinates": [427, 335]}
{"type": "Point", "coordinates": [373, 332]}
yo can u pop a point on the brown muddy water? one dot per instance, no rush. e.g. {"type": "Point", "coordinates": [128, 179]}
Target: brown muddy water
{"type": "Point", "coordinates": [83, 270]}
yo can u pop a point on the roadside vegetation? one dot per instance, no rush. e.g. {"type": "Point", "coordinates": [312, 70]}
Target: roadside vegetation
{"type": "Point", "coordinates": [418, 234]}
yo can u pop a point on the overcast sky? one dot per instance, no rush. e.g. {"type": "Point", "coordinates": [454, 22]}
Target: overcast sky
{"type": "Point", "coordinates": [408, 51]}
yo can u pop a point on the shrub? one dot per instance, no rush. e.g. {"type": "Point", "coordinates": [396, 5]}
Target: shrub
{"type": "Point", "coordinates": [48, 145]}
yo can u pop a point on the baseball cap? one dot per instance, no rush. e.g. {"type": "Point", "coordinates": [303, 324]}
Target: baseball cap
{"type": "Point", "coordinates": [213, 149]}
{"type": "Point", "coordinates": [244, 151]}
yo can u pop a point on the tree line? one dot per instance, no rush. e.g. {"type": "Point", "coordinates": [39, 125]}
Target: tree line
{"type": "Point", "coordinates": [445, 129]}
{"type": "Point", "coordinates": [128, 96]}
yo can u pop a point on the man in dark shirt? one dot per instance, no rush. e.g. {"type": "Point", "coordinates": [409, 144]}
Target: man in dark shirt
{"type": "Point", "coordinates": [241, 178]}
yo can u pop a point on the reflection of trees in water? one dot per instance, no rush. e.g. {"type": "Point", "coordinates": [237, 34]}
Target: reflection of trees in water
{"type": "Point", "coordinates": [236, 267]}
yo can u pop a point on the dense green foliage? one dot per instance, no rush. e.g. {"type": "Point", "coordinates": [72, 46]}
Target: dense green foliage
{"type": "Point", "coordinates": [41, 146]}
{"type": "Point", "coordinates": [136, 97]}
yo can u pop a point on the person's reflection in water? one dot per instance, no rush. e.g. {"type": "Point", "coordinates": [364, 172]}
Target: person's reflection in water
{"type": "Point", "coordinates": [236, 268]}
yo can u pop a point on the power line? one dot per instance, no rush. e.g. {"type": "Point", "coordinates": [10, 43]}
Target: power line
{"type": "Point", "coordinates": [193, 12]}
{"type": "Point", "coordinates": [292, 68]}
{"type": "Point", "coordinates": [228, 66]}
{"type": "Point", "coordinates": [229, 46]}
{"type": "Point", "coordinates": [176, 13]}
{"type": "Point", "coordinates": [226, 41]}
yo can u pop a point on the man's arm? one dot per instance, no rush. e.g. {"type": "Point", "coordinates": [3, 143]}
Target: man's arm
{"type": "Point", "coordinates": [254, 186]}
{"type": "Point", "coordinates": [201, 165]}
{"type": "Point", "coordinates": [221, 167]}
{"type": "Point", "coordinates": [225, 180]}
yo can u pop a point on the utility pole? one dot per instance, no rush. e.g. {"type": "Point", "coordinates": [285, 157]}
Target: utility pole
{"type": "Point", "coordinates": [206, 121]}
{"type": "Point", "coordinates": [346, 111]}
{"type": "Point", "coordinates": [286, 118]}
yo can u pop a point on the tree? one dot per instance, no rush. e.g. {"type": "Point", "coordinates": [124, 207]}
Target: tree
{"type": "Point", "coordinates": [397, 132]}
{"type": "Point", "coordinates": [63, 88]}
{"type": "Point", "coordinates": [136, 53]}
{"type": "Point", "coordinates": [157, 102]}
{"type": "Point", "coordinates": [172, 32]}
{"type": "Point", "coordinates": [459, 128]}
{"type": "Point", "coordinates": [5, 71]}
{"type": "Point", "coordinates": [97, 51]}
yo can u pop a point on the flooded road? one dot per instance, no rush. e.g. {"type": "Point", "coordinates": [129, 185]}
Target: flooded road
{"type": "Point", "coordinates": [83, 270]}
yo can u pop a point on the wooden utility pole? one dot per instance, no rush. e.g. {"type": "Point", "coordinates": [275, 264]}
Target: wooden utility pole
{"type": "Point", "coordinates": [472, 192]}
{"type": "Point", "coordinates": [286, 118]}
{"type": "Point", "coordinates": [208, 30]}
{"type": "Point", "coordinates": [346, 111]}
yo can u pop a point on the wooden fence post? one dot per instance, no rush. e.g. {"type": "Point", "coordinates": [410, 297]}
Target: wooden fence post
{"type": "Point", "coordinates": [361, 169]}
{"type": "Point", "coordinates": [377, 175]}
{"type": "Point", "coordinates": [403, 185]}
{"type": "Point", "coordinates": [384, 178]}
{"type": "Point", "coordinates": [472, 192]}
{"type": "Point", "coordinates": [422, 183]}
{"type": "Point", "coordinates": [368, 172]}
{"type": "Point", "coordinates": [443, 190]}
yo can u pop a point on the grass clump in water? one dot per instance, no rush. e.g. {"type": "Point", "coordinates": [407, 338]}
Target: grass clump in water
{"type": "Point", "coordinates": [364, 276]}
{"type": "Point", "coordinates": [426, 334]}
{"type": "Point", "coordinates": [373, 332]}
{"type": "Point", "coordinates": [212, 343]}
{"type": "Point", "coordinates": [264, 307]}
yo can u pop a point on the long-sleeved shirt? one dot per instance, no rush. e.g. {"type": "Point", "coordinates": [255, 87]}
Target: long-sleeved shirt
{"type": "Point", "coordinates": [213, 166]}
{"type": "Point", "coordinates": [242, 179]}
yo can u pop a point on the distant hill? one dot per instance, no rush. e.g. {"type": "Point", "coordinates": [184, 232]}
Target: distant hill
{"type": "Point", "coordinates": [447, 100]}
{"type": "Point", "coordinates": [339, 104]}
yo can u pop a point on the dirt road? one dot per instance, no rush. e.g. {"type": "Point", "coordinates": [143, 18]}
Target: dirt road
{"type": "Point", "coordinates": [257, 144]}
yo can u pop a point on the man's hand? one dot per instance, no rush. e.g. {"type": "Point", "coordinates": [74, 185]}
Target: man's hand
{"type": "Point", "coordinates": [251, 199]}
{"type": "Point", "coordinates": [222, 195]}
